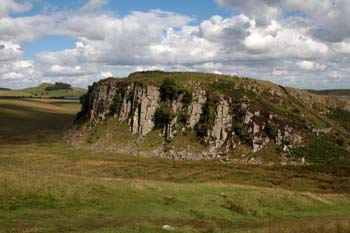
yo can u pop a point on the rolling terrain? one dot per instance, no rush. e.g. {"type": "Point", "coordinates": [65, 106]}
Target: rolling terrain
{"type": "Point", "coordinates": [47, 185]}
{"type": "Point", "coordinates": [40, 92]}
{"type": "Point", "coordinates": [334, 92]}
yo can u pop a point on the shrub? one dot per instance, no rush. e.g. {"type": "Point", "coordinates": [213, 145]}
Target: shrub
{"type": "Point", "coordinates": [186, 98]}
{"type": "Point", "coordinates": [271, 129]}
{"type": "Point", "coordinates": [323, 150]}
{"type": "Point", "coordinates": [206, 121]}
{"type": "Point", "coordinates": [243, 134]}
{"type": "Point", "coordinates": [163, 116]}
{"type": "Point", "coordinates": [59, 86]}
{"type": "Point", "coordinates": [84, 98]}
{"type": "Point", "coordinates": [116, 104]}
{"type": "Point", "coordinates": [168, 90]}
{"type": "Point", "coordinates": [84, 101]}
{"type": "Point", "coordinates": [296, 110]}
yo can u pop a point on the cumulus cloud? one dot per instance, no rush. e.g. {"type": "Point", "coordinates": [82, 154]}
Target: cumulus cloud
{"type": "Point", "coordinates": [57, 70]}
{"type": "Point", "coordinates": [28, 28]}
{"type": "Point", "coordinates": [11, 6]}
{"type": "Point", "coordinates": [290, 42]}
{"type": "Point", "coordinates": [342, 47]}
{"type": "Point", "coordinates": [106, 74]}
{"type": "Point", "coordinates": [9, 51]}
{"type": "Point", "coordinates": [309, 65]}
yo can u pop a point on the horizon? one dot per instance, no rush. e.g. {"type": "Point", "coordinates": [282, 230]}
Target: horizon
{"type": "Point", "coordinates": [301, 44]}
{"type": "Point", "coordinates": [53, 82]}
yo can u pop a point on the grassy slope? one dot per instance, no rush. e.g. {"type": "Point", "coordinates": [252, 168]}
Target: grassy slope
{"type": "Point", "coordinates": [48, 186]}
{"type": "Point", "coordinates": [40, 91]}
{"type": "Point", "coordinates": [334, 92]}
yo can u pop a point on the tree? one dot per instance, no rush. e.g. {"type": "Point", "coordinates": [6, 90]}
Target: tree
{"type": "Point", "coordinates": [168, 90]}
{"type": "Point", "coordinates": [164, 115]}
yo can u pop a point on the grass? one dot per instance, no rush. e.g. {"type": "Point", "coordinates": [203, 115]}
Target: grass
{"type": "Point", "coordinates": [46, 185]}
{"type": "Point", "coordinates": [341, 117]}
{"type": "Point", "coordinates": [323, 150]}
{"type": "Point", "coordinates": [40, 92]}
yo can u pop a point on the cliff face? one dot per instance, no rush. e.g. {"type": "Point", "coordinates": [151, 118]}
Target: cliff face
{"type": "Point", "coordinates": [203, 116]}
{"type": "Point", "coordinates": [223, 114]}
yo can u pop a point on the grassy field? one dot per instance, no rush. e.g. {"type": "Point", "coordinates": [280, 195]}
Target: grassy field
{"type": "Point", "coordinates": [46, 185]}
{"type": "Point", "coordinates": [40, 92]}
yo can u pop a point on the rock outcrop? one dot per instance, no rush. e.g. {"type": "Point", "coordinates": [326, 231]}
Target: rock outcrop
{"type": "Point", "coordinates": [222, 115]}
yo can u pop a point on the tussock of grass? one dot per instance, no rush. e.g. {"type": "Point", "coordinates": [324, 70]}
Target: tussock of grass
{"type": "Point", "coordinates": [48, 186]}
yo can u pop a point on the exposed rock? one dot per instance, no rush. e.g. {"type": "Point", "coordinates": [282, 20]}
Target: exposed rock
{"type": "Point", "coordinates": [168, 228]}
{"type": "Point", "coordinates": [234, 119]}
{"type": "Point", "coordinates": [195, 109]}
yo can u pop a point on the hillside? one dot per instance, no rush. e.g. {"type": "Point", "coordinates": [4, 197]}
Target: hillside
{"type": "Point", "coordinates": [40, 92]}
{"type": "Point", "coordinates": [206, 116]}
{"type": "Point", "coordinates": [48, 186]}
{"type": "Point", "coordinates": [332, 92]}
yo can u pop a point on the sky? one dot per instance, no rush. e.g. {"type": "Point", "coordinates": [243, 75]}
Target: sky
{"type": "Point", "coordinates": [297, 43]}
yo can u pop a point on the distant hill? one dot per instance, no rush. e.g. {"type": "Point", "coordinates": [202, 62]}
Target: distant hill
{"type": "Point", "coordinates": [336, 92]}
{"type": "Point", "coordinates": [4, 89]}
{"type": "Point", "coordinates": [43, 91]}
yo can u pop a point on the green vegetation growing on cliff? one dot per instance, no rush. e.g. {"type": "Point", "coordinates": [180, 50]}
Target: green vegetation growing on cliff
{"type": "Point", "coordinates": [271, 129]}
{"type": "Point", "coordinates": [164, 115]}
{"type": "Point", "coordinates": [243, 134]}
{"type": "Point", "coordinates": [323, 150]}
{"type": "Point", "coordinates": [168, 90]}
{"type": "Point", "coordinates": [206, 121]}
{"type": "Point", "coordinates": [341, 117]}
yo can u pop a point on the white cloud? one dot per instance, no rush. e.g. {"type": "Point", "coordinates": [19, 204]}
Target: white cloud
{"type": "Point", "coordinates": [11, 75]}
{"type": "Point", "coordinates": [287, 41]}
{"type": "Point", "coordinates": [342, 47]}
{"type": "Point", "coordinates": [23, 64]}
{"type": "Point", "coordinates": [11, 6]}
{"type": "Point", "coordinates": [106, 74]}
{"type": "Point", "coordinates": [281, 41]}
{"type": "Point", "coordinates": [9, 51]}
{"type": "Point", "coordinates": [309, 65]}
{"type": "Point", "coordinates": [334, 75]}
{"type": "Point", "coordinates": [65, 70]}
{"type": "Point", "coordinates": [260, 10]}
{"type": "Point", "coordinates": [93, 5]}
{"type": "Point", "coordinates": [277, 72]}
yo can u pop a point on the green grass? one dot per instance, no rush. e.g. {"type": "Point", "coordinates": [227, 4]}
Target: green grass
{"type": "Point", "coordinates": [323, 150]}
{"type": "Point", "coordinates": [341, 117]}
{"type": "Point", "coordinates": [40, 92]}
{"type": "Point", "coordinates": [46, 185]}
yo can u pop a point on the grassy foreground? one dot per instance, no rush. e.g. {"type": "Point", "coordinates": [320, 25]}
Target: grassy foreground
{"type": "Point", "coordinates": [48, 186]}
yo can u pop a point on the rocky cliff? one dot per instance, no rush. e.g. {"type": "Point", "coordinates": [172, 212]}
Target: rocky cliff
{"type": "Point", "coordinates": [195, 116]}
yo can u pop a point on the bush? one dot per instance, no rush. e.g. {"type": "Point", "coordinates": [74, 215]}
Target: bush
{"type": "Point", "coordinates": [168, 90]}
{"type": "Point", "coordinates": [186, 98]}
{"type": "Point", "coordinates": [84, 101]}
{"type": "Point", "coordinates": [323, 150]}
{"type": "Point", "coordinates": [116, 104]}
{"type": "Point", "coordinates": [206, 121]}
{"type": "Point", "coordinates": [163, 116]}
{"type": "Point", "coordinates": [271, 129]}
{"type": "Point", "coordinates": [59, 86]}
{"type": "Point", "coordinates": [243, 134]}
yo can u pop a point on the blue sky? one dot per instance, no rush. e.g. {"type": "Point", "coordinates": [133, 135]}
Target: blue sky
{"type": "Point", "coordinates": [198, 9]}
{"type": "Point", "coordinates": [290, 42]}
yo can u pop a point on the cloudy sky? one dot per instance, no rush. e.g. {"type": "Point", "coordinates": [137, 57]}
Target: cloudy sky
{"type": "Point", "coordinates": [299, 43]}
